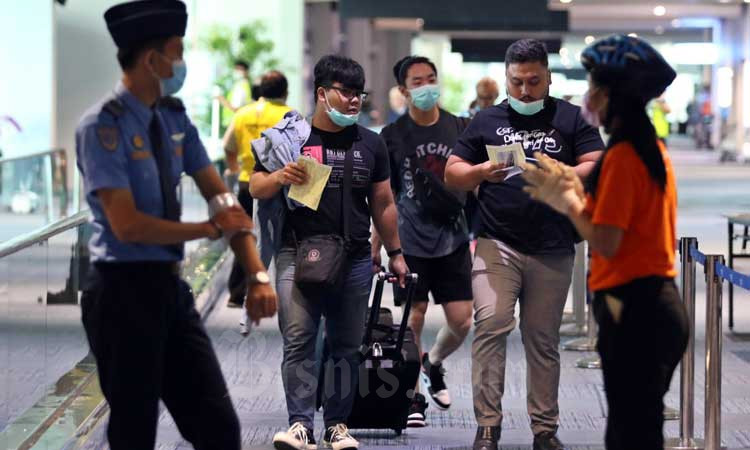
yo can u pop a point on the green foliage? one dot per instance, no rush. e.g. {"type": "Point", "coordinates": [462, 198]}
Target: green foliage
{"type": "Point", "coordinates": [247, 43]}
{"type": "Point", "coordinates": [454, 92]}
{"type": "Point", "coordinates": [227, 45]}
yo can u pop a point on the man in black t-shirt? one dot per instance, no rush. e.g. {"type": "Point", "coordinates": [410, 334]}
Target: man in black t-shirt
{"type": "Point", "coordinates": [433, 231]}
{"type": "Point", "coordinates": [525, 250]}
{"type": "Point", "coordinates": [339, 84]}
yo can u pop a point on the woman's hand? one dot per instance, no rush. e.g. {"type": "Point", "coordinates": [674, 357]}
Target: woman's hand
{"type": "Point", "coordinates": [555, 184]}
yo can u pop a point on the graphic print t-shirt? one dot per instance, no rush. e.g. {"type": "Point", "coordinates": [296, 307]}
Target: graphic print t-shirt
{"type": "Point", "coordinates": [508, 213]}
{"type": "Point", "coordinates": [420, 234]}
{"type": "Point", "coordinates": [370, 166]}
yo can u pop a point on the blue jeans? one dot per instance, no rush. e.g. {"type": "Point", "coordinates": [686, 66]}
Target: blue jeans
{"type": "Point", "coordinates": [299, 320]}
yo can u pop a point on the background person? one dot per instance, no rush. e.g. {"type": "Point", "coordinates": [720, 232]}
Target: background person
{"type": "Point", "coordinates": [247, 125]}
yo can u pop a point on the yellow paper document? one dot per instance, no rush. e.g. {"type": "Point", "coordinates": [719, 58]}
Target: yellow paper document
{"type": "Point", "coordinates": [309, 194]}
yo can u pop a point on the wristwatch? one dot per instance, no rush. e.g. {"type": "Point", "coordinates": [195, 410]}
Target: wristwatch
{"type": "Point", "coordinates": [258, 278]}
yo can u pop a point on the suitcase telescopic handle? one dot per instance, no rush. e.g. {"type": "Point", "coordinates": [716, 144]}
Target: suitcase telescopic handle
{"type": "Point", "coordinates": [411, 288]}
{"type": "Point", "coordinates": [382, 277]}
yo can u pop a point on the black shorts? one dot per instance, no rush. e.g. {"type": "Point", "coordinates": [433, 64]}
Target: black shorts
{"type": "Point", "coordinates": [448, 278]}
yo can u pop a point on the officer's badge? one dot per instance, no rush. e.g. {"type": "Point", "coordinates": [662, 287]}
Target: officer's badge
{"type": "Point", "coordinates": [108, 137]}
{"type": "Point", "coordinates": [138, 141]}
{"type": "Point", "coordinates": [178, 137]}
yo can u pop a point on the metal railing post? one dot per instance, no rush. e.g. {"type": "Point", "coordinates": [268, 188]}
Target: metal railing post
{"type": "Point", "coordinates": [588, 343]}
{"type": "Point", "coordinates": [713, 353]}
{"type": "Point", "coordinates": [686, 441]}
{"type": "Point", "coordinates": [578, 327]}
{"type": "Point", "coordinates": [49, 188]}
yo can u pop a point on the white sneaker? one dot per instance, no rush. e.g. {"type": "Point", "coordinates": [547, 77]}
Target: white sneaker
{"type": "Point", "coordinates": [297, 437]}
{"type": "Point", "coordinates": [245, 323]}
{"type": "Point", "coordinates": [338, 438]}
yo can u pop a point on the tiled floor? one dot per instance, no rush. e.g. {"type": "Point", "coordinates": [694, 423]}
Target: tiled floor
{"type": "Point", "coordinates": [707, 190]}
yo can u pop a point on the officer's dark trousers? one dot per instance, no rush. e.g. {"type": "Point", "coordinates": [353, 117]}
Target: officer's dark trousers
{"type": "Point", "coordinates": [639, 354]}
{"type": "Point", "coordinates": [237, 281]}
{"type": "Point", "coordinates": [150, 344]}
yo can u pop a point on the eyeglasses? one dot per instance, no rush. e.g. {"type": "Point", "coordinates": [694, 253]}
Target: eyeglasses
{"type": "Point", "coordinates": [349, 94]}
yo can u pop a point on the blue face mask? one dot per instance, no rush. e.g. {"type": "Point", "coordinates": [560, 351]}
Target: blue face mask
{"type": "Point", "coordinates": [425, 97]}
{"type": "Point", "coordinates": [339, 118]}
{"type": "Point", "coordinates": [172, 85]}
{"type": "Point", "coordinates": [526, 109]}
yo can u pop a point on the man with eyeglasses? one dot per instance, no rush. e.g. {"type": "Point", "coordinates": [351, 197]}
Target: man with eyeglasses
{"type": "Point", "coordinates": [334, 139]}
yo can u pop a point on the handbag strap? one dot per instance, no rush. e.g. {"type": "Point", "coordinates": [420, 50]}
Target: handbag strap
{"type": "Point", "coordinates": [346, 194]}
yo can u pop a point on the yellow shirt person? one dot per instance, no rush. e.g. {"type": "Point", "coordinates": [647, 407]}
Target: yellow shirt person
{"type": "Point", "coordinates": [247, 124]}
{"type": "Point", "coordinates": [251, 120]}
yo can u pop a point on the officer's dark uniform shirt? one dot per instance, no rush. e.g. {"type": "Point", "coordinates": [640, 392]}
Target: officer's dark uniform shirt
{"type": "Point", "coordinates": [114, 151]}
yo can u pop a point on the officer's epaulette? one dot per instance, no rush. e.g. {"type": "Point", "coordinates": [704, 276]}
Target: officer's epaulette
{"type": "Point", "coordinates": [172, 103]}
{"type": "Point", "coordinates": [114, 107]}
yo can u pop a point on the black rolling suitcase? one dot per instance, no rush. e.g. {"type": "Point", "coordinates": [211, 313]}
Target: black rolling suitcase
{"type": "Point", "coordinates": [390, 366]}
{"type": "Point", "coordinates": [389, 369]}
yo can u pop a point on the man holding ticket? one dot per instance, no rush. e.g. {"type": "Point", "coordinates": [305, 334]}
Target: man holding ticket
{"type": "Point", "coordinates": [525, 250]}
{"type": "Point", "coordinates": [340, 181]}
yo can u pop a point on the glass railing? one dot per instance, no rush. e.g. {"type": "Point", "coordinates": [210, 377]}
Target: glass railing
{"type": "Point", "coordinates": [41, 338]}
{"type": "Point", "coordinates": [34, 191]}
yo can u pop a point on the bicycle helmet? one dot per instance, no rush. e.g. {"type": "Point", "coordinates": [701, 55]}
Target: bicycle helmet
{"type": "Point", "coordinates": [628, 66]}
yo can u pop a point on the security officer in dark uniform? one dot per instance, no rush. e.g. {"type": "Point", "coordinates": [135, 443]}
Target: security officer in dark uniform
{"type": "Point", "coordinates": [139, 316]}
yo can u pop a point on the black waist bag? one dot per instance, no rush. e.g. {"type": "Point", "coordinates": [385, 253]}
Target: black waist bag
{"type": "Point", "coordinates": [319, 265]}
{"type": "Point", "coordinates": [436, 201]}
{"type": "Point", "coordinates": [320, 262]}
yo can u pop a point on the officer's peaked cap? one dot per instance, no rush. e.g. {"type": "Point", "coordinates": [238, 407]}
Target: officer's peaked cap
{"type": "Point", "coordinates": [139, 21]}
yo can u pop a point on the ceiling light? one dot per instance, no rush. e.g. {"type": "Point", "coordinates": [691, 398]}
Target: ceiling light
{"type": "Point", "coordinates": [660, 11]}
{"type": "Point", "coordinates": [565, 1]}
{"type": "Point", "coordinates": [589, 39]}
{"type": "Point", "coordinates": [676, 23]}
{"type": "Point", "coordinates": [632, 35]}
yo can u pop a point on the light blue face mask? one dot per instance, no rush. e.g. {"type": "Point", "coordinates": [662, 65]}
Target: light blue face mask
{"type": "Point", "coordinates": [339, 118]}
{"type": "Point", "coordinates": [526, 109]}
{"type": "Point", "coordinates": [425, 97]}
{"type": "Point", "coordinates": [172, 85]}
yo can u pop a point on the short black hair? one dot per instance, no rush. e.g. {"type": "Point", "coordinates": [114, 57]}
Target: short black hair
{"type": "Point", "coordinates": [335, 68]}
{"type": "Point", "coordinates": [525, 51]}
{"type": "Point", "coordinates": [128, 57]}
{"type": "Point", "coordinates": [255, 92]}
{"type": "Point", "coordinates": [273, 84]}
{"type": "Point", "coordinates": [242, 63]}
{"type": "Point", "coordinates": [401, 69]}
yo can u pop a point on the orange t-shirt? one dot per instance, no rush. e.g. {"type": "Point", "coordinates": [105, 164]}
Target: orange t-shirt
{"type": "Point", "coordinates": [628, 198]}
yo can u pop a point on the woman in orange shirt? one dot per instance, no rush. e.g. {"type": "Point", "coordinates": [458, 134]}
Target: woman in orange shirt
{"type": "Point", "coordinates": [627, 214]}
